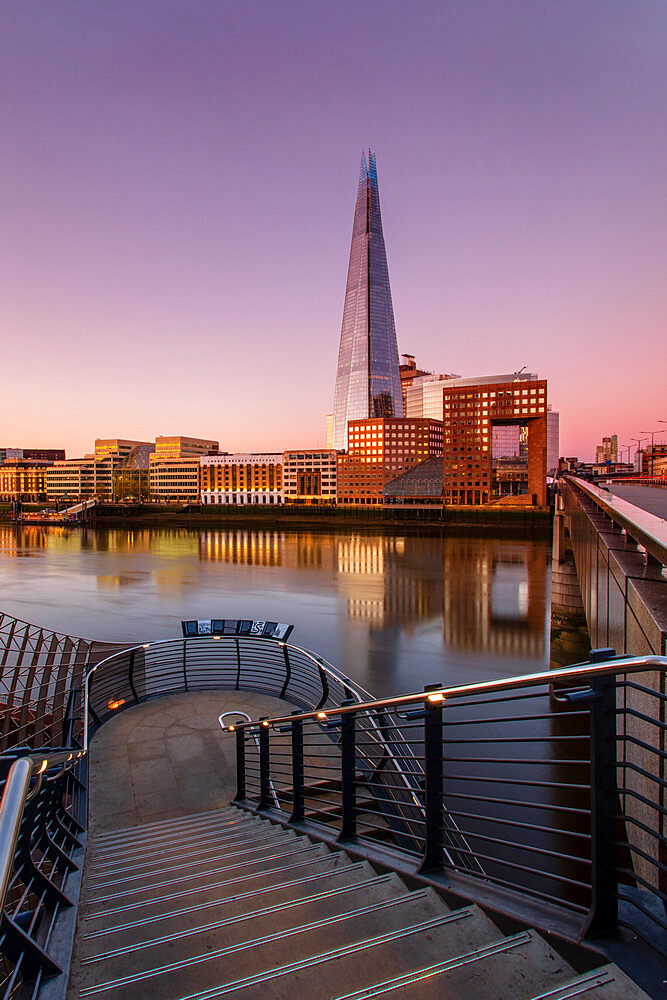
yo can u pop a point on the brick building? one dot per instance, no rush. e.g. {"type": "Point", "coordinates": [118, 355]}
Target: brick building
{"type": "Point", "coordinates": [471, 473]}
{"type": "Point", "coordinates": [241, 479]}
{"type": "Point", "coordinates": [379, 450]}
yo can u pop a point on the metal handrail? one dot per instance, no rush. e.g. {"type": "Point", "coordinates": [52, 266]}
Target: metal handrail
{"type": "Point", "coordinates": [647, 529]}
{"type": "Point", "coordinates": [235, 711]}
{"type": "Point", "coordinates": [14, 797]}
{"type": "Point", "coordinates": [578, 673]}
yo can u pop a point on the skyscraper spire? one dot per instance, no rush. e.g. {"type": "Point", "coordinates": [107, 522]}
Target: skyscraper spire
{"type": "Point", "coordinates": [368, 383]}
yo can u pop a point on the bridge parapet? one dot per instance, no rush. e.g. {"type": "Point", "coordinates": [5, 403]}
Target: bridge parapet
{"type": "Point", "coordinates": [620, 552]}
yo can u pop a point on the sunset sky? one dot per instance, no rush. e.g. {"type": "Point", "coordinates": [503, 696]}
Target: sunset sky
{"type": "Point", "coordinates": [179, 180]}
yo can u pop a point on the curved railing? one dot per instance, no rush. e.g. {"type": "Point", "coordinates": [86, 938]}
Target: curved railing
{"type": "Point", "coordinates": [171, 666]}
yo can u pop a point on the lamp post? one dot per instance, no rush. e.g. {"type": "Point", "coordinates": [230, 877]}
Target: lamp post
{"type": "Point", "coordinates": [638, 442]}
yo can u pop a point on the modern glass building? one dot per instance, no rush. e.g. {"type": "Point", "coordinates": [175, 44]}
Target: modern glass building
{"type": "Point", "coordinates": [368, 382]}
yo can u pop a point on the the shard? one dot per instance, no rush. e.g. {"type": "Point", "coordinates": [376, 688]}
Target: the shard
{"type": "Point", "coordinates": [368, 382]}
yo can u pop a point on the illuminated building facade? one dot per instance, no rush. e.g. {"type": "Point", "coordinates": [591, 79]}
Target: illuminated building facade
{"type": "Point", "coordinates": [309, 476]}
{"type": "Point", "coordinates": [77, 478]}
{"type": "Point", "coordinates": [608, 450]}
{"type": "Point", "coordinates": [32, 454]}
{"type": "Point", "coordinates": [472, 415]}
{"type": "Point", "coordinates": [23, 480]}
{"type": "Point", "coordinates": [381, 449]}
{"type": "Point", "coordinates": [368, 383]}
{"type": "Point", "coordinates": [241, 479]}
{"type": "Point", "coordinates": [174, 480]}
{"type": "Point", "coordinates": [114, 446]}
{"type": "Point", "coordinates": [184, 447]}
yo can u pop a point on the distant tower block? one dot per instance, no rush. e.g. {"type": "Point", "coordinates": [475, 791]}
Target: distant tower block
{"type": "Point", "coordinates": [368, 383]}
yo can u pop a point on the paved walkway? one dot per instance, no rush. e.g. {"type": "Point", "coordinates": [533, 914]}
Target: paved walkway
{"type": "Point", "coordinates": [650, 498]}
{"type": "Point", "coordinates": [168, 757]}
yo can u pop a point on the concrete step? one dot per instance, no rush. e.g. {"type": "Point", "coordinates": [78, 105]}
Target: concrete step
{"type": "Point", "coordinates": [189, 848]}
{"type": "Point", "coordinates": [518, 967]}
{"type": "Point", "coordinates": [210, 927]}
{"type": "Point", "coordinates": [285, 869]}
{"type": "Point", "coordinates": [606, 983]}
{"type": "Point", "coordinates": [130, 892]}
{"type": "Point", "coordinates": [236, 853]}
{"type": "Point", "coordinates": [228, 814]}
{"type": "Point", "coordinates": [415, 922]}
{"type": "Point", "coordinates": [121, 930]}
{"type": "Point", "coordinates": [134, 839]}
{"type": "Point", "coordinates": [99, 860]}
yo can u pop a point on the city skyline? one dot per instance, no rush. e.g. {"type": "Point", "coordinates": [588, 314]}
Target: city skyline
{"type": "Point", "coordinates": [179, 186]}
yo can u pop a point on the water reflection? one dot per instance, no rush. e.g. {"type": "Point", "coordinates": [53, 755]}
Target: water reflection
{"type": "Point", "coordinates": [392, 610]}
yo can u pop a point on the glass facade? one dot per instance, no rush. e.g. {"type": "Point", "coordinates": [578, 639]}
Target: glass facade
{"type": "Point", "coordinates": [368, 383]}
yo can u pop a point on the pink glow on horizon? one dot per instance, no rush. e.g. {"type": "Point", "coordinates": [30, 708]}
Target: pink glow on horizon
{"type": "Point", "coordinates": [180, 185]}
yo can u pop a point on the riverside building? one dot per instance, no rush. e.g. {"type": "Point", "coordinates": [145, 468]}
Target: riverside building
{"type": "Point", "coordinates": [242, 479]}
{"type": "Point", "coordinates": [309, 476]}
{"type": "Point", "coordinates": [379, 451]}
{"type": "Point", "coordinates": [478, 414]}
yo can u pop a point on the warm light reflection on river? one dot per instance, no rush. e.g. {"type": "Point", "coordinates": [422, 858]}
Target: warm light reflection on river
{"type": "Point", "coordinates": [392, 611]}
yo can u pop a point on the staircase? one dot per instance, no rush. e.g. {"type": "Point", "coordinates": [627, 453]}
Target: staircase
{"type": "Point", "coordinates": [223, 903]}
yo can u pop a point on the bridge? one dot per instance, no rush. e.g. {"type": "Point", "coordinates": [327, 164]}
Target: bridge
{"type": "Point", "coordinates": [218, 815]}
{"type": "Point", "coordinates": [620, 552]}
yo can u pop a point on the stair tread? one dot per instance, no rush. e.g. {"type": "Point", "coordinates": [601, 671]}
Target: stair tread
{"type": "Point", "coordinates": [419, 927]}
{"type": "Point", "coordinates": [282, 871]}
{"type": "Point", "coordinates": [282, 893]}
{"type": "Point", "coordinates": [606, 983]}
{"type": "Point", "coordinates": [208, 931]}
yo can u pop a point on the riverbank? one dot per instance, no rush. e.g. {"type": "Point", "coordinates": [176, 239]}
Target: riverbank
{"type": "Point", "coordinates": [517, 522]}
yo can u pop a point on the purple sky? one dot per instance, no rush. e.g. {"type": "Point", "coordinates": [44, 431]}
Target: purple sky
{"type": "Point", "coordinates": [179, 183]}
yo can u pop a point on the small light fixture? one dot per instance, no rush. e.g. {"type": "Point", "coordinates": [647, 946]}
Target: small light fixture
{"type": "Point", "coordinates": [115, 703]}
{"type": "Point", "coordinates": [436, 696]}
{"type": "Point", "coordinates": [146, 645]}
{"type": "Point", "coordinates": [265, 722]}
{"type": "Point", "coordinates": [231, 729]}
{"type": "Point", "coordinates": [43, 767]}
{"type": "Point", "coordinates": [321, 715]}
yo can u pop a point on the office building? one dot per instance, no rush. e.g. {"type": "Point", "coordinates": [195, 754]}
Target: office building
{"type": "Point", "coordinates": [608, 450]}
{"type": "Point", "coordinates": [80, 478]}
{"type": "Point", "coordinates": [241, 479]}
{"type": "Point", "coordinates": [114, 446]}
{"type": "Point", "coordinates": [380, 450]}
{"type": "Point", "coordinates": [481, 416]}
{"type": "Point", "coordinates": [174, 480]}
{"type": "Point", "coordinates": [424, 396]}
{"type": "Point", "coordinates": [368, 383]}
{"type": "Point", "coordinates": [32, 454]}
{"type": "Point", "coordinates": [309, 476]}
{"type": "Point", "coordinates": [184, 447]}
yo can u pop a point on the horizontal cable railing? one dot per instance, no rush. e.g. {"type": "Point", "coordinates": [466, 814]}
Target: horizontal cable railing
{"type": "Point", "coordinates": [42, 816]}
{"type": "Point", "coordinates": [262, 665]}
{"type": "Point", "coordinates": [547, 787]}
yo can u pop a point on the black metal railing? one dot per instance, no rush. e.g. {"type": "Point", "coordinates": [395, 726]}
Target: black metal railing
{"type": "Point", "coordinates": [42, 817]}
{"type": "Point", "coordinates": [172, 666]}
{"type": "Point", "coordinates": [542, 795]}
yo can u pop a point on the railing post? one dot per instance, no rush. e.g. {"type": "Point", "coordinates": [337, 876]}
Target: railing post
{"type": "Point", "coordinates": [240, 765]}
{"type": "Point", "coordinates": [603, 914]}
{"type": "Point", "coordinates": [297, 772]}
{"type": "Point", "coordinates": [433, 786]}
{"type": "Point", "coordinates": [264, 767]}
{"type": "Point", "coordinates": [348, 770]}
{"type": "Point", "coordinates": [185, 664]}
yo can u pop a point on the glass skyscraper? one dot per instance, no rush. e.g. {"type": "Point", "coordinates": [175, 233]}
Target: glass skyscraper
{"type": "Point", "coordinates": [368, 383]}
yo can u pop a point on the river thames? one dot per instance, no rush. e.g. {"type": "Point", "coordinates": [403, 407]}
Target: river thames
{"type": "Point", "coordinates": [393, 611]}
